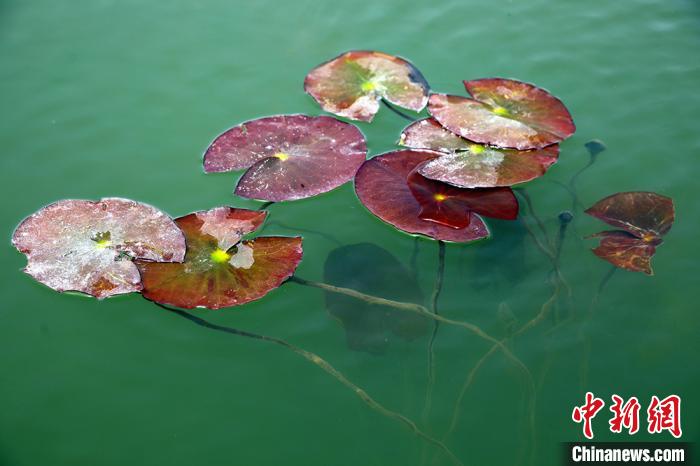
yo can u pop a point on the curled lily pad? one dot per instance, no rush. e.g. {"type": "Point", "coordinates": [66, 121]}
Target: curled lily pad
{"type": "Point", "coordinates": [88, 246]}
{"type": "Point", "coordinates": [644, 218]}
{"type": "Point", "coordinates": [288, 156]}
{"type": "Point", "coordinates": [382, 185]}
{"type": "Point", "coordinates": [352, 84]}
{"type": "Point", "coordinates": [470, 165]}
{"type": "Point", "coordinates": [220, 268]}
{"type": "Point", "coordinates": [371, 269]}
{"type": "Point", "coordinates": [450, 206]}
{"type": "Point", "coordinates": [504, 113]}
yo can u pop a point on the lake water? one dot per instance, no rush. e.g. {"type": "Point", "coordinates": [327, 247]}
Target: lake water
{"type": "Point", "coordinates": [106, 98]}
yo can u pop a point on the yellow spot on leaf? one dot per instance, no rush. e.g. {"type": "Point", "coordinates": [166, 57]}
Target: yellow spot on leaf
{"type": "Point", "coordinates": [220, 256]}
{"type": "Point", "coordinates": [282, 156]}
{"type": "Point", "coordinates": [368, 86]}
{"type": "Point", "coordinates": [439, 197]}
{"type": "Point", "coordinates": [103, 243]}
{"type": "Point", "coordinates": [476, 149]}
{"type": "Point", "coordinates": [499, 111]}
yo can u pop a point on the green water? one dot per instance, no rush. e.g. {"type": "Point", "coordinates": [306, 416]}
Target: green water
{"type": "Point", "coordinates": [107, 98]}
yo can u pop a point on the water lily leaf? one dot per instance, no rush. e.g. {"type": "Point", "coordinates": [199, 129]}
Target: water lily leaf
{"type": "Point", "coordinates": [288, 156]}
{"type": "Point", "coordinates": [450, 206]}
{"type": "Point", "coordinates": [381, 184]}
{"type": "Point", "coordinates": [644, 218]}
{"type": "Point", "coordinates": [430, 135]}
{"type": "Point", "coordinates": [220, 269]}
{"type": "Point", "coordinates": [639, 213]}
{"type": "Point", "coordinates": [370, 269]}
{"type": "Point", "coordinates": [88, 246]}
{"type": "Point", "coordinates": [352, 84]}
{"type": "Point", "coordinates": [470, 165]}
{"type": "Point", "coordinates": [504, 113]}
{"type": "Point", "coordinates": [626, 251]}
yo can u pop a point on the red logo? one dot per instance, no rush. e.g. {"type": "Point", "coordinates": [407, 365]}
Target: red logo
{"type": "Point", "coordinates": [662, 415]}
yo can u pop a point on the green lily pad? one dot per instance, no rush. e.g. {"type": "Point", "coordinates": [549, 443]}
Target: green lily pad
{"type": "Point", "coordinates": [353, 84]}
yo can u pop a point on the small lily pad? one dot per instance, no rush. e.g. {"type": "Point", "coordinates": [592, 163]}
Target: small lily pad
{"type": "Point", "coordinates": [370, 269]}
{"type": "Point", "coordinates": [88, 246]}
{"type": "Point", "coordinates": [450, 206]}
{"type": "Point", "coordinates": [352, 84]}
{"type": "Point", "coordinates": [470, 165]}
{"type": "Point", "coordinates": [220, 268]}
{"type": "Point", "coordinates": [644, 218]}
{"type": "Point", "coordinates": [382, 185]}
{"type": "Point", "coordinates": [504, 113]}
{"type": "Point", "coordinates": [288, 156]}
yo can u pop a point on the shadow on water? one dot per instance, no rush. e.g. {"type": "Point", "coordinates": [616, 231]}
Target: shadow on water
{"type": "Point", "coordinates": [493, 265]}
{"type": "Point", "coordinates": [370, 269]}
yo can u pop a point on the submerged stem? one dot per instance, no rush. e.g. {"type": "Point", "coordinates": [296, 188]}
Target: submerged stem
{"type": "Point", "coordinates": [585, 364]}
{"type": "Point", "coordinates": [397, 111]}
{"type": "Point", "coordinates": [417, 309]}
{"type": "Point", "coordinates": [436, 325]}
{"type": "Point", "coordinates": [329, 369]}
{"type": "Point", "coordinates": [265, 205]}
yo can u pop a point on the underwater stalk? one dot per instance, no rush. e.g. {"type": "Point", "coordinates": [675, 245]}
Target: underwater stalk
{"type": "Point", "coordinates": [584, 330]}
{"type": "Point", "coordinates": [418, 309]}
{"type": "Point", "coordinates": [436, 325]}
{"type": "Point", "coordinates": [320, 234]}
{"type": "Point", "coordinates": [323, 364]}
{"type": "Point", "coordinates": [397, 111]}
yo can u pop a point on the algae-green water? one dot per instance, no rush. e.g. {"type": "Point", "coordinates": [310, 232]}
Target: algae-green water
{"type": "Point", "coordinates": [120, 98]}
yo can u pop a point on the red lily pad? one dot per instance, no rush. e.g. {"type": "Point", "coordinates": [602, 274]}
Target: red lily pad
{"type": "Point", "coordinates": [470, 165]}
{"type": "Point", "coordinates": [504, 113]}
{"type": "Point", "coordinates": [382, 185]}
{"type": "Point", "coordinates": [288, 156]}
{"type": "Point", "coordinates": [220, 269]}
{"type": "Point", "coordinates": [352, 84]}
{"type": "Point", "coordinates": [450, 206]}
{"type": "Point", "coordinates": [645, 217]}
{"type": "Point", "coordinates": [88, 246]}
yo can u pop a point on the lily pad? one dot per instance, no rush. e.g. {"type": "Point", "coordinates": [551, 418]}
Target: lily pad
{"type": "Point", "coordinates": [370, 269]}
{"type": "Point", "coordinates": [381, 184]}
{"type": "Point", "coordinates": [644, 218]}
{"type": "Point", "coordinates": [504, 113]}
{"type": "Point", "coordinates": [470, 165]}
{"type": "Point", "coordinates": [88, 246]}
{"type": "Point", "coordinates": [220, 268]}
{"type": "Point", "coordinates": [352, 84]}
{"type": "Point", "coordinates": [450, 206]}
{"type": "Point", "coordinates": [288, 156]}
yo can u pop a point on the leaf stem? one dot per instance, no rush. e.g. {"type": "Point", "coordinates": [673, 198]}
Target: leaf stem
{"type": "Point", "coordinates": [437, 288]}
{"type": "Point", "coordinates": [417, 309]}
{"type": "Point", "coordinates": [327, 367]}
{"type": "Point", "coordinates": [397, 111]}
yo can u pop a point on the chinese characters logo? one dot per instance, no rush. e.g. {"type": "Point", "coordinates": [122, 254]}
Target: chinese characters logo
{"type": "Point", "coordinates": [662, 414]}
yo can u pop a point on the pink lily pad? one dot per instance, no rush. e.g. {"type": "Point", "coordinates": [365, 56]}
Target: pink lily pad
{"type": "Point", "coordinates": [644, 218]}
{"type": "Point", "coordinates": [352, 84]}
{"type": "Point", "coordinates": [382, 185]}
{"type": "Point", "coordinates": [88, 247]}
{"type": "Point", "coordinates": [470, 165]}
{"type": "Point", "coordinates": [288, 156]}
{"type": "Point", "coordinates": [220, 268]}
{"type": "Point", "coordinates": [450, 206]}
{"type": "Point", "coordinates": [504, 113]}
